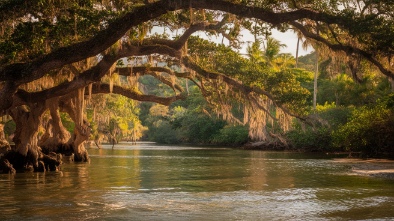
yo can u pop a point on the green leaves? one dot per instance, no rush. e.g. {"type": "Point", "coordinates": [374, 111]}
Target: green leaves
{"type": "Point", "coordinates": [48, 26]}
{"type": "Point", "coordinates": [114, 114]}
{"type": "Point", "coordinates": [369, 130]}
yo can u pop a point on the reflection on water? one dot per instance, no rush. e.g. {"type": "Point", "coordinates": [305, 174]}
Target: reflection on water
{"type": "Point", "coordinates": [150, 182]}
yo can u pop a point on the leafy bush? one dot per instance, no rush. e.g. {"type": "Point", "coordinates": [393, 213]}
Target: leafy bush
{"type": "Point", "coordinates": [370, 130]}
{"type": "Point", "coordinates": [199, 128]}
{"type": "Point", "coordinates": [320, 137]}
{"type": "Point", "coordinates": [232, 135]}
{"type": "Point", "coordinates": [162, 132]}
{"type": "Point", "coordinates": [332, 116]}
{"type": "Point", "coordinates": [311, 140]}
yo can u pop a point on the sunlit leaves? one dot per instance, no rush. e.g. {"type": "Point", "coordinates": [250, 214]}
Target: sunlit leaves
{"type": "Point", "coordinates": [114, 114]}
{"type": "Point", "coordinates": [264, 68]}
{"type": "Point", "coordinates": [288, 91]}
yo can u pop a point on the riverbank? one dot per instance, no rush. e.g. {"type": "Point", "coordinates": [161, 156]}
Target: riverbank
{"type": "Point", "coordinates": [382, 168]}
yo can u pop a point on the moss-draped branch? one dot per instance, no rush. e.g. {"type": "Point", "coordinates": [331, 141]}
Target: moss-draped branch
{"type": "Point", "coordinates": [13, 75]}
{"type": "Point", "coordinates": [26, 72]}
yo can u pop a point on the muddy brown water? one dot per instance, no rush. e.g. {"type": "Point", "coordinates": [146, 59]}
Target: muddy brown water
{"type": "Point", "coordinates": [153, 182]}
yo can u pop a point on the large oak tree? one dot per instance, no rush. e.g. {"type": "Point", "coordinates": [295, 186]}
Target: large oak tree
{"type": "Point", "coordinates": [53, 54]}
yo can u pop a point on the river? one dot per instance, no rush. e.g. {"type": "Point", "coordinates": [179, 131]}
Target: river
{"type": "Point", "coordinates": [153, 182]}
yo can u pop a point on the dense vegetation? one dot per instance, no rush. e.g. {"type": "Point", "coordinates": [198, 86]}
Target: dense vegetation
{"type": "Point", "coordinates": [56, 57]}
{"type": "Point", "coordinates": [350, 116]}
{"type": "Point", "coordinates": [355, 115]}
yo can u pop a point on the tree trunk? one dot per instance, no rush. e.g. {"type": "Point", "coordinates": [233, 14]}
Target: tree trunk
{"type": "Point", "coordinates": [27, 122]}
{"type": "Point", "coordinates": [4, 145]}
{"type": "Point", "coordinates": [27, 155]}
{"type": "Point", "coordinates": [391, 80]}
{"type": "Point", "coordinates": [315, 79]}
{"type": "Point", "coordinates": [297, 50]}
{"type": "Point", "coordinates": [74, 107]}
{"type": "Point", "coordinates": [81, 134]}
{"type": "Point", "coordinates": [56, 138]}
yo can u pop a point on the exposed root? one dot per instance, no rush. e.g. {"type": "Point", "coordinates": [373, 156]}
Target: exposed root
{"type": "Point", "coordinates": [13, 162]}
{"type": "Point", "coordinates": [6, 167]}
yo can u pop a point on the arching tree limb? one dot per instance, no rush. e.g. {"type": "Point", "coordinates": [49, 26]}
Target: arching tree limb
{"type": "Point", "coordinates": [153, 71]}
{"type": "Point", "coordinates": [188, 62]}
{"type": "Point", "coordinates": [94, 74]}
{"type": "Point", "coordinates": [26, 72]}
{"type": "Point", "coordinates": [99, 88]}
{"type": "Point", "coordinates": [348, 49]}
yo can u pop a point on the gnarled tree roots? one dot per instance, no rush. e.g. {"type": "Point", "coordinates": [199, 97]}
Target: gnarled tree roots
{"type": "Point", "coordinates": [43, 160]}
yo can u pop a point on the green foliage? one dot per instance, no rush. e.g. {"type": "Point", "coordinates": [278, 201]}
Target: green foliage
{"type": "Point", "coordinates": [188, 122]}
{"type": "Point", "coordinates": [160, 128]}
{"type": "Point", "coordinates": [266, 69]}
{"type": "Point", "coordinates": [67, 122]}
{"type": "Point", "coordinates": [319, 137]}
{"type": "Point", "coordinates": [44, 26]}
{"type": "Point", "coordinates": [32, 29]}
{"type": "Point", "coordinates": [163, 132]}
{"type": "Point", "coordinates": [344, 91]}
{"type": "Point", "coordinates": [114, 115]}
{"type": "Point", "coordinates": [272, 48]}
{"type": "Point", "coordinates": [369, 130]}
{"type": "Point", "coordinates": [333, 116]}
{"type": "Point", "coordinates": [232, 135]}
{"type": "Point", "coordinates": [199, 128]}
{"type": "Point", "coordinates": [288, 90]}
{"type": "Point", "coordinates": [217, 57]}
{"type": "Point", "coordinates": [307, 62]}
{"type": "Point", "coordinates": [9, 127]}
{"type": "Point", "coordinates": [311, 140]}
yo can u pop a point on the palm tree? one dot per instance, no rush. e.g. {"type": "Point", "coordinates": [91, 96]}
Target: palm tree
{"type": "Point", "coordinates": [272, 49]}
{"type": "Point", "coordinates": [255, 53]}
{"type": "Point", "coordinates": [283, 61]}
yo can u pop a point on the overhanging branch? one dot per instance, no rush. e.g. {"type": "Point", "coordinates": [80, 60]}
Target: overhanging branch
{"type": "Point", "coordinates": [349, 50]}
{"type": "Point", "coordinates": [99, 88]}
{"type": "Point", "coordinates": [188, 62]}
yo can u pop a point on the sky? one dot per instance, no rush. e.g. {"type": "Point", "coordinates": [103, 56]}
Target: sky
{"type": "Point", "coordinates": [288, 38]}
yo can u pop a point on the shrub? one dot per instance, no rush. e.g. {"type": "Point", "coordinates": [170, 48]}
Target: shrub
{"type": "Point", "coordinates": [370, 130]}
{"type": "Point", "coordinates": [232, 135]}
{"type": "Point", "coordinates": [311, 140]}
{"type": "Point", "coordinates": [319, 137]}
{"type": "Point", "coordinates": [162, 132]}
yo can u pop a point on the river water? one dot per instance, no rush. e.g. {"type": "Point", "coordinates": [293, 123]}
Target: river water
{"type": "Point", "coordinates": [151, 182]}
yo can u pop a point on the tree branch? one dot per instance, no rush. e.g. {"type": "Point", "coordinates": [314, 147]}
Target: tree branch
{"type": "Point", "coordinates": [188, 62]}
{"type": "Point", "coordinates": [26, 72]}
{"type": "Point", "coordinates": [95, 73]}
{"type": "Point", "coordinates": [126, 71]}
{"type": "Point", "coordinates": [349, 50]}
{"type": "Point", "coordinates": [99, 88]}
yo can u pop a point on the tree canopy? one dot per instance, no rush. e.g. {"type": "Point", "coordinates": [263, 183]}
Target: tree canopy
{"type": "Point", "coordinates": [56, 54]}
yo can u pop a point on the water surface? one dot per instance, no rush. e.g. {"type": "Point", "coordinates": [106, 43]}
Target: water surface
{"type": "Point", "coordinates": [152, 182]}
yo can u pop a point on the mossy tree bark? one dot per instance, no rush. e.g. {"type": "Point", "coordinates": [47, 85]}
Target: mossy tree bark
{"type": "Point", "coordinates": [27, 120]}
{"type": "Point", "coordinates": [74, 106]}
{"type": "Point", "coordinates": [4, 145]}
